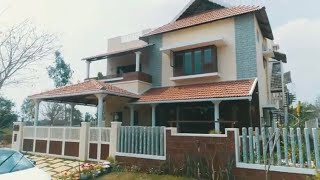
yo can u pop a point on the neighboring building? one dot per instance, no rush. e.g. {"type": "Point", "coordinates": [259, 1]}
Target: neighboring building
{"type": "Point", "coordinates": [212, 67]}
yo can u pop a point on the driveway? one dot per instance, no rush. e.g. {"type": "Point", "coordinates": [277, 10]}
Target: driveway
{"type": "Point", "coordinates": [54, 166]}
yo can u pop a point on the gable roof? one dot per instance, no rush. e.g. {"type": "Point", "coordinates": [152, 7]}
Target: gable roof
{"type": "Point", "coordinates": [215, 15]}
{"type": "Point", "coordinates": [196, 7]}
{"type": "Point", "coordinates": [84, 88]}
{"type": "Point", "coordinates": [200, 92]}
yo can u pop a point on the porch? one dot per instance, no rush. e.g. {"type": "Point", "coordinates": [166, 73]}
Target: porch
{"type": "Point", "coordinates": [199, 108]}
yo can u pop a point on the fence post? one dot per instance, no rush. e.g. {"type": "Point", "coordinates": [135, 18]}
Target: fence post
{"type": "Point", "coordinates": [17, 136]}
{"type": "Point", "coordinates": [115, 127]}
{"type": "Point", "coordinates": [84, 141]}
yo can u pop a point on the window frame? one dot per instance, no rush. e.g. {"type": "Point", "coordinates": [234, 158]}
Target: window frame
{"type": "Point", "coordinates": [180, 70]}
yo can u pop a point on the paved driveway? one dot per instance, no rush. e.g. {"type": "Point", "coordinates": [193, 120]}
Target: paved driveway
{"type": "Point", "coordinates": [54, 166]}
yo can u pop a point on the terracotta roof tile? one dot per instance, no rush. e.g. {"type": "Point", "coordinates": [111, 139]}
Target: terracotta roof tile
{"type": "Point", "coordinates": [205, 17]}
{"type": "Point", "coordinates": [86, 87]}
{"type": "Point", "coordinates": [227, 89]}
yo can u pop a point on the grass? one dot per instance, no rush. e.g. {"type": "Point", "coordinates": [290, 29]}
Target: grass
{"type": "Point", "coordinates": [139, 176]}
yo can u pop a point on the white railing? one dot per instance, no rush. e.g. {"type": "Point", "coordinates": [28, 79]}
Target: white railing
{"type": "Point", "coordinates": [141, 142]}
{"type": "Point", "coordinates": [284, 150]}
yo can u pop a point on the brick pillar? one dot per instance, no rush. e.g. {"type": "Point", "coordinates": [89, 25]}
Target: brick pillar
{"type": "Point", "coordinates": [17, 139]}
{"type": "Point", "coordinates": [115, 126]}
{"type": "Point", "coordinates": [84, 141]}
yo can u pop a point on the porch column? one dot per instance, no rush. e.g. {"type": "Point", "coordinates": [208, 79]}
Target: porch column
{"type": "Point", "coordinates": [71, 113]}
{"type": "Point", "coordinates": [154, 114]}
{"type": "Point", "coordinates": [88, 69]}
{"type": "Point", "coordinates": [131, 115]}
{"type": "Point", "coordinates": [216, 116]}
{"type": "Point", "coordinates": [100, 108]}
{"type": "Point", "coordinates": [138, 54]}
{"type": "Point", "coordinates": [36, 115]}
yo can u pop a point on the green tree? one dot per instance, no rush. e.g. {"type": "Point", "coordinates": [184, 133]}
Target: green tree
{"type": "Point", "coordinates": [60, 72]}
{"type": "Point", "coordinates": [27, 110]}
{"type": "Point", "coordinates": [7, 116]}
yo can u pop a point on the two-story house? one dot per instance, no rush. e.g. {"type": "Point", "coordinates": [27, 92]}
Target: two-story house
{"type": "Point", "coordinates": [210, 68]}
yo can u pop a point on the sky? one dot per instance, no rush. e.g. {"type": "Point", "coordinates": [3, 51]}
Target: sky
{"type": "Point", "coordinates": [83, 27]}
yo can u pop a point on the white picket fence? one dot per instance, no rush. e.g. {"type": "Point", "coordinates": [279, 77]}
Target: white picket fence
{"type": "Point", "coordinates": [142, 142]}
{"type": "Point", "coordinates": [276, 147]}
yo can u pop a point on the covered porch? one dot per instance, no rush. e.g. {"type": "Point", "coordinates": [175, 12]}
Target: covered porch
{"type": "Point", "coordinates": [88, 93]}
{"type": "Point", "coordinates": [199, 108]}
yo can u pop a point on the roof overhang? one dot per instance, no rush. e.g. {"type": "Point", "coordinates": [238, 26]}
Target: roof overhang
{"type": "Point", "coordinates": [217, 41]}
{"type": "Point", "coordinates": [197, 100]}
{"type": "Point", "coordinates": [264, 23]}
{"type": "Point", "coordinates": [116, 53]}
{"type": "Point", "coordinates": [219, 91]}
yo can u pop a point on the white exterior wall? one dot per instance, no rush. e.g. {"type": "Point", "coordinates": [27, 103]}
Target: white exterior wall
{"type": "Point", "coordinates": [262, 71]}
{"type": "Point", "coordinates": [226, 54]}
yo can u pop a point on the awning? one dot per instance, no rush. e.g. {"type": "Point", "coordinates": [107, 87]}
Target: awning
{"type": "Point", "coordinates": [83, 93]}
{"type": "Point", "coordinates": [116, 53]}
{"type": "Point", "coordinates": [216, 40]}
{"type": "Point", "coordinates": [228, 90]}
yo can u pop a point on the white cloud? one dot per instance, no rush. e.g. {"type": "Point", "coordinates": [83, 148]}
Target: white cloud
{"type": "Point", "coordinates": [300, 39]}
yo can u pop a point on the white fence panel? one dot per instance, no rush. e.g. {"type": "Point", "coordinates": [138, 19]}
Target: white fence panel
{"type": "Point", "coordinates": [28, 132]}
{"type": "Point", "coordinates": [56, 133]}
{"type": "Point", "coordinates": [72, 134]}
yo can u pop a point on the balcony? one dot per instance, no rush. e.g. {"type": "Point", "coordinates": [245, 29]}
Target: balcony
{"type": "Point", "coordinates": [130, 76]}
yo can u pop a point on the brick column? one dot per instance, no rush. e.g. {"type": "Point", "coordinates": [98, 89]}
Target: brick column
{"type": "Point", "coordinates": [115, 126]}
{"type": "Point", "coordinates": [84, 141]}
{"type": "Point", "coordinates": [17, 136]}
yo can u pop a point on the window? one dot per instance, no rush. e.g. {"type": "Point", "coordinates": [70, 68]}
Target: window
{"type": "Point", "coordinates": [195, 61]}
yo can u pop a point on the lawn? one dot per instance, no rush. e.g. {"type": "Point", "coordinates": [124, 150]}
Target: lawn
{"type": "Point", "coordinates": [139, 176]}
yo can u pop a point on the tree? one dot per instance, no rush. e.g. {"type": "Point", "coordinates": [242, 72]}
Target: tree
{"type": "Point", "coordinates": [7, 116]}
{"type": "Point", "coordinates": [53, 112]}
{"type": "Point", "coordinates": [22, 45]}
{"type": "Point", "coordinates": [27, 110]}
{"type": "Point", "coordinates": [61, 72]}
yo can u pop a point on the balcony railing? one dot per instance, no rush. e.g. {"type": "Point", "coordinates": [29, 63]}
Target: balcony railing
{"type": "Point", "coordinates": [130, 76]}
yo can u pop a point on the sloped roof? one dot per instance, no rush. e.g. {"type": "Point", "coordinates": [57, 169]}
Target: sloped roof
{"type": "Point", "coordinates": [227, 89]}
{"type": "Point", "coordinates": [212, 15]}
{"type": "Point", "coordinates": [84, 88]}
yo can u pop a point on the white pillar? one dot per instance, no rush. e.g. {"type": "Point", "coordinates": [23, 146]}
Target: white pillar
{"type": "Point", "coordinates": [36, 116]}
{"type": "Point", "coordinates": [154, 114]}
{"type": "Point", "coordinates": [138, 54]}
{"type": "Point", "coordinates": [100, 108]}
{"type": "Point", "coordinates": [17, 139]}
{"type": "Point", "coordinates": [115, 126]}
{"type": "Point", "coordinates": [131, 115]}
{"type": "Point", "coordinates": [71, 113]}
{"type": "Point", "coordinates": [88, 69]}
{"type": "Point", "coordinates": [216, 116]}
{"type": "Point", "coordinates": [84, 141]}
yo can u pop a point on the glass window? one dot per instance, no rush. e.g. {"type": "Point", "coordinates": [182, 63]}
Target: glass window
{"type": "Point", "coordinates": [198, 61]}
{"type": "Point", "coordinates": [188, 63]}
{"type": "Point", "coordinates": [178, 60]}
{"type": "Point", "coordinates": [208, 56]}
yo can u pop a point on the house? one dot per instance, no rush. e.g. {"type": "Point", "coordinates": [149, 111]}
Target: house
{"type": "Point", "coordinates": [210, 68]}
